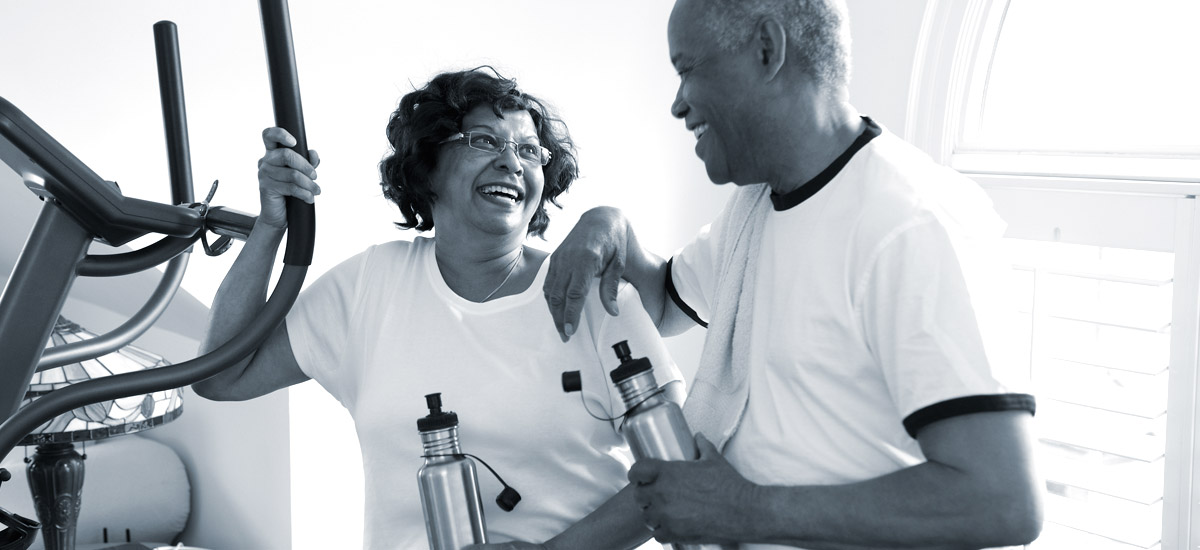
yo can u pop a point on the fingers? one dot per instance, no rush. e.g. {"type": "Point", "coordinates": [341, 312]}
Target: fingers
{"type": "Point", "coordinates": [594, 248]}
{"type": "Point", "coordinates": [279, 157]}
{"type": "Point", "coordinates": [565, 293]}
{"type": "Point", "coordinates": [610, 280]}
{"type": "Point", "coordinates": [278, 138]}
{"type": "Point", "coordinates": [552, 289]}
{"type": "Point", "coordinates": [644, 472]}
{"type": "Point", "coordinates": [300, 187]}
{"type": "Point", "coordinates": [289, 159]}
{"type": "Point", "coordinates": [706, 448]}
{"type": "Point", "coordinates": [283, 178]}
{"type": "Point", "coordinates": [576, 296]}
{"type": "Point", "coordinates": [284, 172]}
{"type": "Point", "coordinates": [652, 518]}
{"type": "Point", "coordinates": [275, 138]}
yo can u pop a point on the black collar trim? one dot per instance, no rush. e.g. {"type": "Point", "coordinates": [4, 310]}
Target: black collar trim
{"type": "Point", "coordinates": [811, 187]}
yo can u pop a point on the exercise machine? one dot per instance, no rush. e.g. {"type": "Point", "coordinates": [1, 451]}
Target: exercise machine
{"type": "Point", "coordinates": [78, 206]}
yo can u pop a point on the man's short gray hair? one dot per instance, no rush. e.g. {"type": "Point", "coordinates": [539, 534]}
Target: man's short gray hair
{"type": "Point", "coordinates": [818, 31]}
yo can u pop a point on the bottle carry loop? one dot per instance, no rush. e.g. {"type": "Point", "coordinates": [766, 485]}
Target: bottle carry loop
{"type": "Point", "coordinates": [572, 381]}
{"type": "Point", "coordinates": [623, 415]}
{"type": "Point", "coordinates": [507, 499]}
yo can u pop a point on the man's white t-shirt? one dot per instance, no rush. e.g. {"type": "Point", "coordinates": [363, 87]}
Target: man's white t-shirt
{"type": "Point", "coordinates": [382, 329]}
{"type": "Point", "coordinates": [870, 290]}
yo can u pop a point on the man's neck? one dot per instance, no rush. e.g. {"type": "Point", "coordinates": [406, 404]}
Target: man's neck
{"type": "Point", "coordinates": [814, 145]}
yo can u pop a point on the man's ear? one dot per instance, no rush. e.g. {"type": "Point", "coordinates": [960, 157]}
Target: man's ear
{"type": "Point", "coordinates": [771, 43]}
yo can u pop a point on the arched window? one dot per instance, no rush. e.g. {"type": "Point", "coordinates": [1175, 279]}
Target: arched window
{"type": "Point", "coordinates": [1080, 119]}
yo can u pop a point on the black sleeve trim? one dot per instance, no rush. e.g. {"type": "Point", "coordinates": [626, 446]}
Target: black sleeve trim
{"type": "Point", "coordinates": [674, 294]}
{"type": "Point", "coordinates": [968, 405]}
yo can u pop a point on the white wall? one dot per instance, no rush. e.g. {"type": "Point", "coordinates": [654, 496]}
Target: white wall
{"type": "Point", "coordinates": [236, 454]}
{"type": "Point", "coordinates": [85, 72]}
{"type": "Point", "coordinates": [885, 36]}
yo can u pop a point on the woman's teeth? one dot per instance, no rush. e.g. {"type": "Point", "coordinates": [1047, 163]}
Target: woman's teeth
{"type": "Point", "coordinates": [500, 191]}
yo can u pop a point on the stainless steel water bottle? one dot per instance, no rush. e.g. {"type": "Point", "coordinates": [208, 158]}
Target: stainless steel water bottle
{"type": "Point", "coordinates": [654, 426]}
{"type": "Point", "coordinates": [448, 482]}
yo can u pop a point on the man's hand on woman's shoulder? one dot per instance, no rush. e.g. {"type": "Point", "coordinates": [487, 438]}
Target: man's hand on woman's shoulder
{"type": "Point", "coordinates": [596, 247]}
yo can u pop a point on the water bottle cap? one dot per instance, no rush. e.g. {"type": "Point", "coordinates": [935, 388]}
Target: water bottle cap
{"type": "Point", "coordinates": [622, 350]}
{"type": "Point", "coordinates": [629, 367]}
{"type": "Point", "coordinates": [508, 499]}
{"type": "Point", "coordinates": [571, 381]}
{"type": "Point", "coordinates": [436, 419]}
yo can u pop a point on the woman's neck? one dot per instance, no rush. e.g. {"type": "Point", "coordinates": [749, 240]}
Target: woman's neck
{"type": "Point", "coordinates": [480, 271]}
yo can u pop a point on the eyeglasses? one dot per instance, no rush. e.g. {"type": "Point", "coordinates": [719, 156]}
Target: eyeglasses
{"type": "Point", "coordinates": [483, 141]}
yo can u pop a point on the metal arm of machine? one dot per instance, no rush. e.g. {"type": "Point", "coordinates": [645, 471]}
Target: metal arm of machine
{"type": "Point", "coordinates": [141, 321]}
{"type": "Point", "coordinates": [175, 249]}
{"type": "Point", "coordinates": [37, 160]}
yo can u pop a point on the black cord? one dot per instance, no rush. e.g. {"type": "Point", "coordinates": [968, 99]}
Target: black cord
{"type": "Point", "coordinates": [485, 465]}
{"type": "Point", "coordinates": [624, 414]}
{"type": "Point", "coordinates": [507, 499]}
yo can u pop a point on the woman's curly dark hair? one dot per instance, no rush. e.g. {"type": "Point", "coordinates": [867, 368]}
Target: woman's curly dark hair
{"type": "Point", "coordinates": [435, 112]}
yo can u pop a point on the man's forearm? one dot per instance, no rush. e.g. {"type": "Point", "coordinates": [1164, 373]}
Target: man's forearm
{"type": "Point", "coordinates": [647, 272]}
{"type": "Point", "coordinates": [924, 506]}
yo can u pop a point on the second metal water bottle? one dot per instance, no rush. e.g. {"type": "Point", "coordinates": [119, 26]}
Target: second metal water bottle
{"type": "Point", "coordinates": [448, 482]}
{"type": "Point", "coordinates": [654, 426]}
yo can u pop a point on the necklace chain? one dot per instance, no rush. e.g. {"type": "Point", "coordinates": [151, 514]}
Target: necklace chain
{"type": "Point", "coordinates": [511, 268]}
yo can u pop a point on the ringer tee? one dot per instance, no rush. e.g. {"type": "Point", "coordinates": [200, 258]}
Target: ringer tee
{"type": "Point", "coordinates": [877, 282]}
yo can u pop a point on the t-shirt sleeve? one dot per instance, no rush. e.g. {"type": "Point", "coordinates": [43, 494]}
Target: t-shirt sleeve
{"type": "Point", "coordinates": [692, 272]}
{"type": "Point", "coordinates": [321, 321]}
{"type": "Point", "coordinates": [918, 320]}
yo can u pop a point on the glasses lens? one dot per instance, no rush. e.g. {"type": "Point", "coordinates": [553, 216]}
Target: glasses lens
{"type": "Point", "coordinates": [529, 152]}
{"type": "Point", "coordinates": [484, 142]}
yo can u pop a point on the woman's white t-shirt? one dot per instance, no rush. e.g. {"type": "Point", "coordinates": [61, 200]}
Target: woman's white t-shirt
{"type": "Point", "coordinates": [382, 329]}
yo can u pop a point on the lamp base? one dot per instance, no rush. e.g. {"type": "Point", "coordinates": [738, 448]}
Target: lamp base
{"type": "Point", "coordinates": [56, 482]}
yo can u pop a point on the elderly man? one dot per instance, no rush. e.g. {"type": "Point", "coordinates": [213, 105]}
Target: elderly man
{"type": "Point", "coordinates": [848, 394]}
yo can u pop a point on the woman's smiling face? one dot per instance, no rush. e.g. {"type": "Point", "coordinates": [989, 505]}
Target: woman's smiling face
{"type": "Point", "coordinates": [495, 194]}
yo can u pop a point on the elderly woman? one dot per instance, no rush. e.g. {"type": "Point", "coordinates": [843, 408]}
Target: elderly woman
{"type": "Point", "coordinates": [460, 313]}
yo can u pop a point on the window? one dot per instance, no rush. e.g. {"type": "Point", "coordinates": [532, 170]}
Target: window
{"type": "Point", "coordinates": [1078, 118]}
{"type": "Point", "coordinates": [1098, 323]}
{"type": "Point", "coordinates": [1092, 77]}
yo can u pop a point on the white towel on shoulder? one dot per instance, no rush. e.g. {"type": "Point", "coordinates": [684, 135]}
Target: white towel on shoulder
{"type": "Point", "coordinates": [721, 387]}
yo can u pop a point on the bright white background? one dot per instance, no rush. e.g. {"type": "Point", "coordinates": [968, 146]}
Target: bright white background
{"type": "Point", "coordinates": [85, 71]}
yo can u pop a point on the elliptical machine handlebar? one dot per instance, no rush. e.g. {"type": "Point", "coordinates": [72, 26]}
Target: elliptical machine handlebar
{"type": "Point", "coordinates": [171, 220]}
